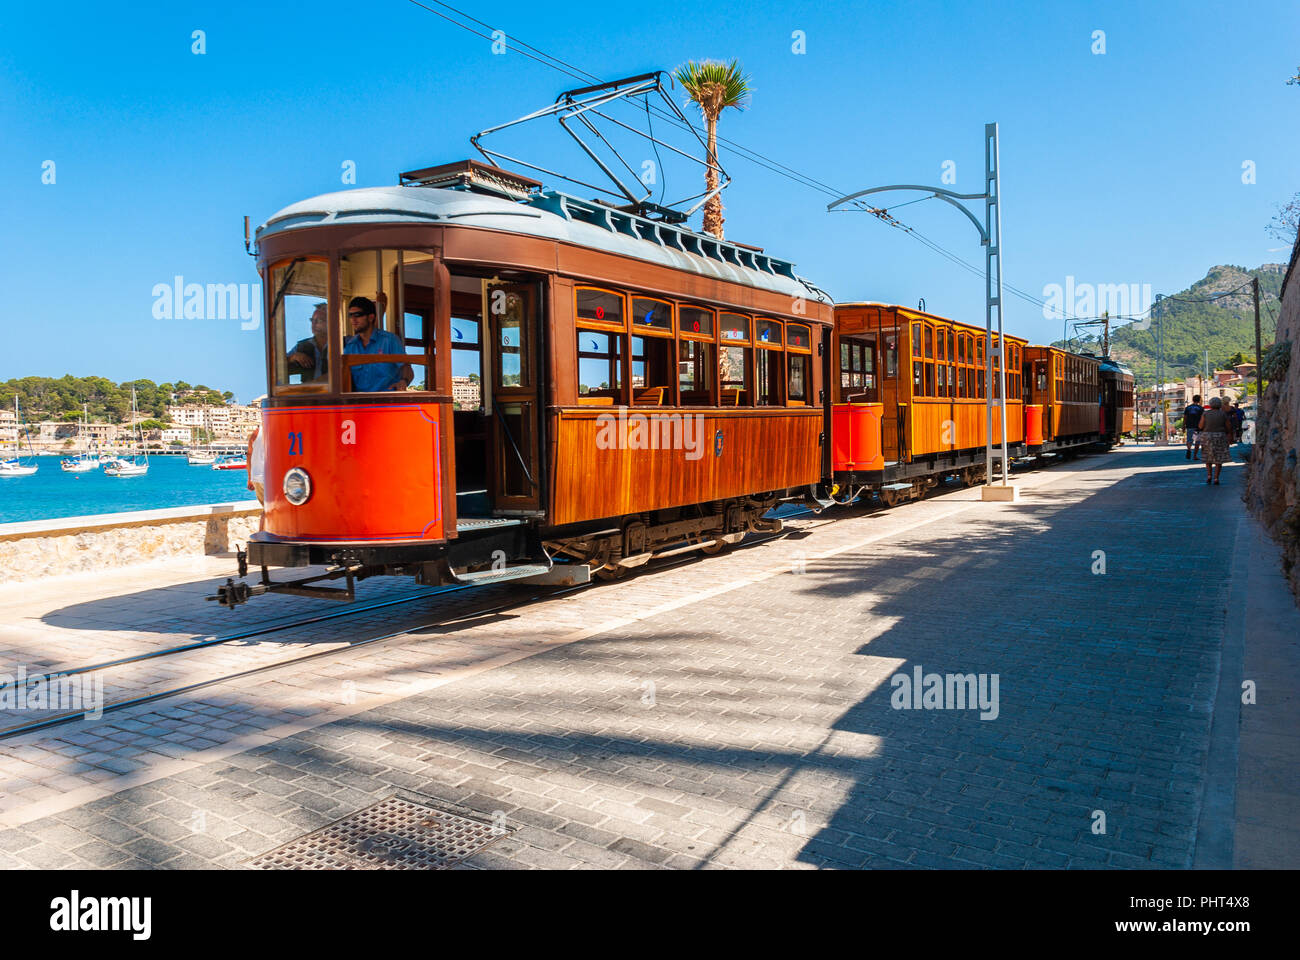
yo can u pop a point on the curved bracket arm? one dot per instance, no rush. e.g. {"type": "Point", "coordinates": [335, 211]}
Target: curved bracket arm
{"type": "Point", "coordinates": [939, 193]}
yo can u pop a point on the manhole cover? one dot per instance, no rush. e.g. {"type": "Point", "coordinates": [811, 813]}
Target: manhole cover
{"type": "Point", "coordinates": [394, 834]}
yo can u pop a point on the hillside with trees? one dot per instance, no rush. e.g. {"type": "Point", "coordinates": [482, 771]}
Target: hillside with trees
{"type": "Point", "coordinates": [1194, 323]}
{"type": "Point", "coordinates": [50, 398]}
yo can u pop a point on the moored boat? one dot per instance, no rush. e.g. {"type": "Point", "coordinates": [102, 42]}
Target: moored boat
{"type": "Point", "coordinates": [15, 466]}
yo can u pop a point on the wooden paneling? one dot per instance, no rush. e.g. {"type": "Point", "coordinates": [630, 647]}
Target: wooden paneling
{"type": "Point", "coordinates": [596, 478]}
{"type": "Point", "coordinates": [926, 430]}
{"type": "Point", "coordinates": [1070, 419]}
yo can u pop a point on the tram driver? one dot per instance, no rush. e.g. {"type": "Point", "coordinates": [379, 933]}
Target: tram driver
{"type": "Point", "coordinates": [310, 355]}
{"type": "Point", "coordinates": [369, 337]}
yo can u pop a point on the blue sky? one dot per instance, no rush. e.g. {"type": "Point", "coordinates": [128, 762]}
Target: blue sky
{"type": "Point", "coordinates": [1124, 167]}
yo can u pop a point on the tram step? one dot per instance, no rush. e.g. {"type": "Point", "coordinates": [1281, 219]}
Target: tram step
{"type": "Point", "coordinates": [895, 486]}
{"type": "Point", "coordinates": [470, 524]}
{"type": "Point", "coordinates": [519, 572]}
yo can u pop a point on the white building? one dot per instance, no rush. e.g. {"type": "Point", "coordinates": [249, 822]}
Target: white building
{"type": "Point", "coordinates": [465, 393]}
{"type": "Point", "coordinates": [228, 421]}
{"type": "Point", "coordinates": [177, 435]}
{"type": "Point", "coordinates": [8, 427]}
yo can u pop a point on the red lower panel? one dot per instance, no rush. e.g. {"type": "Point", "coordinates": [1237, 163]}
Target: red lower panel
{"type": "Point", "coordinates": [375, 472]}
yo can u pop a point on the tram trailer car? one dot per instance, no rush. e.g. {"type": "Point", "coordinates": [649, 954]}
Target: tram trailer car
{"type": "Point", "coordinates": [546, 377]}
{"type": "Point", "coordinates": [909, 401]}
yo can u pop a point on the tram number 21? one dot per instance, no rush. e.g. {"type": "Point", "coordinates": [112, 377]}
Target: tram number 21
{"type": "Point", "coordinates": [295, 444]}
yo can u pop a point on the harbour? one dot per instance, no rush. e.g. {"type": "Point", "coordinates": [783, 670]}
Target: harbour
{"type": "Point", "coordinates": [51, 492]}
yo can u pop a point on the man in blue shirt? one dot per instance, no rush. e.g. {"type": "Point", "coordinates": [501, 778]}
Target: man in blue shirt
{"type": "Point", "coordinates": [369, 338]}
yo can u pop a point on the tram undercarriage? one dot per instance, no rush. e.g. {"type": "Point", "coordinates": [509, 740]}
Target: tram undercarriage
{"type": "Point", "coordinates": [508, 549]}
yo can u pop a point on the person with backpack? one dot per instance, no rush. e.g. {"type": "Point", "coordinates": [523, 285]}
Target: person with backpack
{"type": "Point", "coordinates": [1191, 424]}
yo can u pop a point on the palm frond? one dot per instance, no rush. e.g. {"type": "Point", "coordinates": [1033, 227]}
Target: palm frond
{"type": "Point", "coordinates": [713, 85]}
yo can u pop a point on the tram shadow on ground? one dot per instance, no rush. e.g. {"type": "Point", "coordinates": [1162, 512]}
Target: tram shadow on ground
{"type": "Point", "coordinates": [1090, 752]}
{"type": "Point", "coordinates": [1049, 691]}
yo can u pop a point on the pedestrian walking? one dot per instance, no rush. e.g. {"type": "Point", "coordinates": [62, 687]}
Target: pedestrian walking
{"type": "Point", "coordinates": [1191, 417]}
{"type": "Point", "coordinates": [1213, 432]}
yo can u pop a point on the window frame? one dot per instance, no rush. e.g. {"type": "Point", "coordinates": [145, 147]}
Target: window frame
{"type": "Point", "coordinates": [711, 337]}
{"type": "Point", "coordinates": [583, 323]}
{"type": "Point", "coordinates": [645, 329]}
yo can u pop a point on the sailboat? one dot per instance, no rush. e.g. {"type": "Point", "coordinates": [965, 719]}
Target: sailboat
{"type": "Point", "coordinates": [14, 466]}
{"type": "Point", "coordinates": [201, 458]}
{"type": "Point", "coordinates": [129, 467]}
{"type": "Point", "coordinates": [85, 461]}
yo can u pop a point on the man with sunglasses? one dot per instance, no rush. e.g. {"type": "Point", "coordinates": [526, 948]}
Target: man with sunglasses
{"type": "Point", "coordinates": [369, 337]}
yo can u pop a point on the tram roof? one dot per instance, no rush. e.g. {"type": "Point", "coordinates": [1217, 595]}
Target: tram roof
{"type": "Point", "coordinates": [554, 216]}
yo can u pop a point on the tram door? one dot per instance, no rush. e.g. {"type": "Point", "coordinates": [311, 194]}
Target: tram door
{"type": "Point", "coordinates": [858, 369]}
{"type": "Point", "coordinates": [511, 314]}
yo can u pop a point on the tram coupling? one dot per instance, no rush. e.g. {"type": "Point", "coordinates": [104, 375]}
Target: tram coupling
{"type": "Point", "coordinates": [231, 594]}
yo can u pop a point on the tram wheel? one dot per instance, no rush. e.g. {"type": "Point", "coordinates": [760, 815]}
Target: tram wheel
{"type": "Point", "coordinates": [713, 548]}
{"type": "Point", "coordinates": [611, 573]}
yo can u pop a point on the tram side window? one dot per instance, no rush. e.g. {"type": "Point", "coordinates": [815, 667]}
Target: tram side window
{"type": "Point", "coordinates": [600, 364]}
{"type": "Point", "coordinates": [891, 355]}
{"type": "Point", "coordinates": [300, 324]}
{"type": "Point", "coordinates": [601, 343]}
{"type": "Point", "coordinates": [769, 365]}
{"type": "Point", "coordinates": [733, 359]}
{"type": "Point", "coordinates": [798, 342]}
{"type": "Point", "coordinates": [694, 361]}
{"type": "Point", "coordinates": [695, 355]}
{"type": "Point", "coordinates": [800, 378]}
{"type": "Point", "coordinates": [652, 352]}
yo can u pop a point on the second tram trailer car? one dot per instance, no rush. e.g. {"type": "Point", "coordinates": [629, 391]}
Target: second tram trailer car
{"type": "Point", "coordinates": [470, 376]}
{"type": "Point", "coordinates": [908, 400]}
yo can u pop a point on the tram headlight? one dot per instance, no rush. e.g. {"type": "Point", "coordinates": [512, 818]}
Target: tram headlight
{"type": "Point", "coordinates": [297, 486]}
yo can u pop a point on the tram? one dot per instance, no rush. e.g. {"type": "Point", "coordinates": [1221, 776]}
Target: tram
{"type": "Point", "coordinates": [472, 379]}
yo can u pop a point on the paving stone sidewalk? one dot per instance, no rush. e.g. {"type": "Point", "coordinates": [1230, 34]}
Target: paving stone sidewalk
{"type": "Point", "coordinates": [740, 712]}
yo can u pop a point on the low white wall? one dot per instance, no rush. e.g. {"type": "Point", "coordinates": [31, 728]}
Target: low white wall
{"type": "Point", "coordinates": [42, 548]}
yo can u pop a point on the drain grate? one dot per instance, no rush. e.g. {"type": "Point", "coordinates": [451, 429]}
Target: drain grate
{"type": "Point", "coordinates": [394, 834]}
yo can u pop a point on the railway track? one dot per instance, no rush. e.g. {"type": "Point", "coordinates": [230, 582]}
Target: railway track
{"type": "Point", "coordinates": [471, 611]}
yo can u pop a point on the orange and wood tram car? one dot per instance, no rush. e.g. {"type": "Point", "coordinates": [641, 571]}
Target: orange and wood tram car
{"type": "Point", "coordinates": [473, 379]}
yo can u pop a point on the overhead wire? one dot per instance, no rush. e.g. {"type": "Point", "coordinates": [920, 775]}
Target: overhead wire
{"type": "Point", "coordinates": [753, 156]}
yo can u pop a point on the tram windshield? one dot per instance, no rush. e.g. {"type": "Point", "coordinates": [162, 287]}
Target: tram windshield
{"type": "Point", "coordinates": [300, 323]}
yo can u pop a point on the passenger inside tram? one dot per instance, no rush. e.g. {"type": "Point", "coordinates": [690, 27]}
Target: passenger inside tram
{"type": "Point", "coordinates": [387, 308]}
{"type": "Point", "coordinates": [368, 338]}
{"type": "Point", "coordinates": [309, 357]}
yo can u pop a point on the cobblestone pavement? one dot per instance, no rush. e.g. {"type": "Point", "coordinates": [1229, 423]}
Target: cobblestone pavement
{"type": "Point", "coordinates": [736, 712]}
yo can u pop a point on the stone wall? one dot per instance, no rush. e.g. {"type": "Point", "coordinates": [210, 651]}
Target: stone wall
{"type": "Point", "coordinates": [1273, 487]}
{"type": "Point", "coordinates": [46, 548]}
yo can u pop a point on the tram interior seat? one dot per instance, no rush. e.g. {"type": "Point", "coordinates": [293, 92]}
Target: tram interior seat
{"type": "Point", "coordinates": [651, 396]}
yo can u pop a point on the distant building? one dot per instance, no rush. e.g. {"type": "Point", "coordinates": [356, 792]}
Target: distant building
{"type": "Point", "coordinates": [1148, 401]}
{"type": "Point", "coordinates": [465, 393]}
{"type": "Point", "coordinates": [228, 421]}
{"type": "Point", "coordinates": [176, 435]}
{"type": "Point", "coordinates": [8, 427]}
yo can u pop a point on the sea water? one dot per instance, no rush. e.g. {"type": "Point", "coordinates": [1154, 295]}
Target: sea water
{"type": "Point", "coordinates": [170, 482]}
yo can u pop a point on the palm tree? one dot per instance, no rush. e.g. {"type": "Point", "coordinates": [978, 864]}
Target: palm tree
{"type": "Point", "coordinates": [713, 86]}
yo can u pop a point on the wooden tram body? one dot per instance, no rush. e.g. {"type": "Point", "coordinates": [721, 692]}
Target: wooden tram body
{"type": "Point", "coordinates": [627, 389]}
{"type": "Point", "coordinates": [927, 374]}
{"type": "Point", "coordinates": [1066, 386]}
{"type": "Point", "coordinates": [705, 406]}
